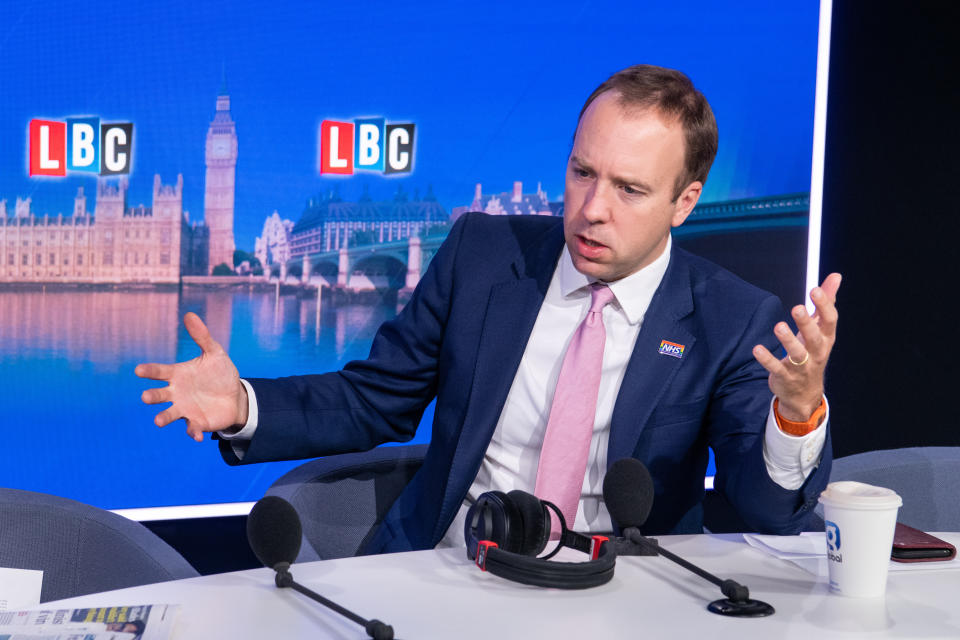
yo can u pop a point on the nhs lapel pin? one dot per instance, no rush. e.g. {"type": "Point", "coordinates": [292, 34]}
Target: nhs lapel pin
{"type": "Point", "coordinates": [668, 348]}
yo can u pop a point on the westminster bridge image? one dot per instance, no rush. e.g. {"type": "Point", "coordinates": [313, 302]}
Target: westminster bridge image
{"type": "Point", "coordinates": [774, 224]}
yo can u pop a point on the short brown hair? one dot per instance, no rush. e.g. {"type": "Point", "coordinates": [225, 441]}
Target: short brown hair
{"type": "Point", "coordinates": [673, 94]}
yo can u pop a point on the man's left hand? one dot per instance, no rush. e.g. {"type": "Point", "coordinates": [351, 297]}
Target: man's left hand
{"type": "Point", "coordinates": [797, 379]}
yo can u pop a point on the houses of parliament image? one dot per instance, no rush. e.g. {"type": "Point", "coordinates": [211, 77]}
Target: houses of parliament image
{"type": "Point", "coordinates": [120, 244]}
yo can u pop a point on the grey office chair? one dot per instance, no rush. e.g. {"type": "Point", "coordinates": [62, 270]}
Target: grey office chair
{"type": "Point", "coordinates": [340, 499]}
{"type": "Point", "coordinates": [81, 549]}
{"type": "Point", "coordinates": [927, 478]}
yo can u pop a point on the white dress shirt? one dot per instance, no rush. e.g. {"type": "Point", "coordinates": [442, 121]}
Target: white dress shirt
{"type": "Point", "coordinates": [510, 461]}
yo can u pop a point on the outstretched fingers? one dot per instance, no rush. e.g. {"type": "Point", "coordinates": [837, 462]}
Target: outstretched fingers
{"type": "Point", "coordinates": [167, 416]}
{"type": "Point", "coordinates": [795, 346]}
{"type": "Point", "coordinates": [199, 332]}
{"type": "Point", "coordinates": [194, 431]}
{"type": "Point", "coordinates": [824, 300]}
{"type": "Point", "coordinates": [767, 360]}
{"type": "Point", "coordinates": [831, 285]}
{"type": "Point", "coordinates": [797, 379]}
{"type": "Point", "coordinates": [157, 396]}
{"type": "Point", "coordinates": [154, 371]}
{"type": "Point", "coordinates": [202, 391]}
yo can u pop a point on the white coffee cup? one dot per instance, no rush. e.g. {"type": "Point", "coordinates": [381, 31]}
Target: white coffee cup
{"type": "Point", "coordinates": [860, 520]}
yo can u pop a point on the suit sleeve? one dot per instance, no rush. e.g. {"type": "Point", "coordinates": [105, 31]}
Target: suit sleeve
{"type": "Point", "coordinates": [369, 402]}
{"type": "Point", "coordinates": [737, 421]}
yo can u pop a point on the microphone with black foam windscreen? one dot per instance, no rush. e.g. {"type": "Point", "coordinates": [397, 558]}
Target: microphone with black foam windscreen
{"type": "Point", "coordinates": [628, 494]}
{"type": "Point", "coordinates": [274, 533]}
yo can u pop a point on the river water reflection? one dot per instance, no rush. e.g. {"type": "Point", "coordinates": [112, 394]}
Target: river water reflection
{"type": "Point", "coordinates": [73, 423]}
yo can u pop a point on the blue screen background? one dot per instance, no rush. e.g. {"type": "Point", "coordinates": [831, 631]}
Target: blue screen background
{"type": "Point", "coordinates": [494, 91]}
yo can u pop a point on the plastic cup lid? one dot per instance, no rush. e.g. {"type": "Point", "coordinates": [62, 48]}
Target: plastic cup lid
{"type": "Point", "coordinates": [857, 495]}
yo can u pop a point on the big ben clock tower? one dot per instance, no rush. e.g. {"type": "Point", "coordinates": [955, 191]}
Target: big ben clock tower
{"type": "Point", "coordinates": [221, 157]}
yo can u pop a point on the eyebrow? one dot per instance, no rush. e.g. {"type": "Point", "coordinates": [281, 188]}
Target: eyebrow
{"type": "Point", "coordinates": [620, 181]}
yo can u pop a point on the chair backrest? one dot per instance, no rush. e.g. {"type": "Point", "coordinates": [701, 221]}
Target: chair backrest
{"type": "Point", "coordinates": [340, 499]}
{"type": "Point", "coordinates": [927, 478]}
{"type": "Point", "coordinates": [81, 549]}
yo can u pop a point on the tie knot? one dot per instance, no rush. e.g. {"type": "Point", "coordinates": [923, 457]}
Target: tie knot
{"type": "Point", "coordinates": [600, 296]}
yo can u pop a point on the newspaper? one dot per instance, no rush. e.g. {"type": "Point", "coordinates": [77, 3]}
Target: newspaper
{"type": "Point", "coordinates": [142, 622]}
{"type": "Point", "coordinates": [809, 552]}
{"type": "Point", "coordinates": [20, 588]}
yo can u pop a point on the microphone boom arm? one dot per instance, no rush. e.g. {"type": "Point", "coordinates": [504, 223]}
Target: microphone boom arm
{"type": "Point", "coordinates": [733, 590]}
{"type": "Point", "coordinates": [374, 628]}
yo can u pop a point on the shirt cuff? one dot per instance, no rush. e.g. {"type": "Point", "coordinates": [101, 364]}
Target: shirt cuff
{"type": "Point", "coordinates": [790, 459]}
{"type": "Point", "coordinates": [246, 432]}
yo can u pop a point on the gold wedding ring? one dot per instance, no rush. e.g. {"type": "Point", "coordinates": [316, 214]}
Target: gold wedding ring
{"type": "Point", "coordinates": [802, 362]}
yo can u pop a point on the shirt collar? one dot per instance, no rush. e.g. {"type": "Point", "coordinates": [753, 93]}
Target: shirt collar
{"type": "Point", "coordinates": [633, 293]}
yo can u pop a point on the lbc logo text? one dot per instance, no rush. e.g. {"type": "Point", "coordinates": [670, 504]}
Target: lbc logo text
{"type": "Point", "coordinates": [80, 144]}
{"type": "Point", "coordinates": [366, 144]}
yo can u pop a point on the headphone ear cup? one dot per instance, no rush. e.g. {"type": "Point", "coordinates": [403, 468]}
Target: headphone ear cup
{"type": "Point", "coordinates": [497, 520]}
{"type": "Point", "coordinates": [511, 536]}
{"type": "Point", "coordinates": [536, 522]}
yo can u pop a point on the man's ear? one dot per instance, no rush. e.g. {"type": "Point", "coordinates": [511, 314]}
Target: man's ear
{"type": "Point", "coordinates": [686, 202]}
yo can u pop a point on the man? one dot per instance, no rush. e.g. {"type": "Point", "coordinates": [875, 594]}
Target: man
{"type": "Point", "coordinates": [520, 323]}
{"type": "Point", "coordinates": [136, 627]}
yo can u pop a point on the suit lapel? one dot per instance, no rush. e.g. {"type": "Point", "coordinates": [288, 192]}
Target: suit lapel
{"type": "Point", "coordinates": [511, 312]}
{"type": "Point", "coordinates": [649, 371]}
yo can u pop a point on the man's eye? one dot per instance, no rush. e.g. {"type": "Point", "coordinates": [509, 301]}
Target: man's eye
{"type": "Point", "coordinates": [630, 191]}
{"type": "Point", "coordinates": [581, 173]}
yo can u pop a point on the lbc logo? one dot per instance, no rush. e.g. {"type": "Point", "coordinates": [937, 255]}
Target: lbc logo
{"type": "Point", "coordinates": [366, 144]}
{"type": "Point", "coordinates": [80, 144]}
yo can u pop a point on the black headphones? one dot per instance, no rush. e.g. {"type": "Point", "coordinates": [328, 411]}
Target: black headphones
{"type": "Point", "coordinates": [505, 532]}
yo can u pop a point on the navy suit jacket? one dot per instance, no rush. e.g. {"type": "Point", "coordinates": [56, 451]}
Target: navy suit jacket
{"type": "Point", "coordinates": [460, 340]}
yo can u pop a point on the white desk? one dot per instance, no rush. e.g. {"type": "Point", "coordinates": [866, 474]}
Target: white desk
{"type": "Point", "coordinates": [440, 594]}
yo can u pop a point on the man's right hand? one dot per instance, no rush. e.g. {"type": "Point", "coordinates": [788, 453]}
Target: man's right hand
{"type": "Point", "coordinates": [206, 391]}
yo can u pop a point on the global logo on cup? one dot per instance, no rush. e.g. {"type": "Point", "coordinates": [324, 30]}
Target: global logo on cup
{"type": "Point", "coordinates": [833, 542]}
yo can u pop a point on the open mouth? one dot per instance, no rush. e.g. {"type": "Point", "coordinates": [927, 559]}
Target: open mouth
{"type": "Point", "coordinates": [593, 244]}
{"type": "Point", "coordinates": [590, 249]}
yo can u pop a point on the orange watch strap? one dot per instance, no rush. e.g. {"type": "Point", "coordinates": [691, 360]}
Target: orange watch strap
{"type": "Point", "coordinates": [800, 428]}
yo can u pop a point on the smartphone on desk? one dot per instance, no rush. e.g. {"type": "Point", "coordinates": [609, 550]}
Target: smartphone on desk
{"type": "Point", "coordinates": [913, 545]}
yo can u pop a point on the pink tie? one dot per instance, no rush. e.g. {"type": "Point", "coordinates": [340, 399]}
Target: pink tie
{"type": "Point", "coordinates": [563, 459]}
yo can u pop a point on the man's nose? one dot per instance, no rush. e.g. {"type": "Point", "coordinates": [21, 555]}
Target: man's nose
{"type": "Point", "coordinates": [596, 205]}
